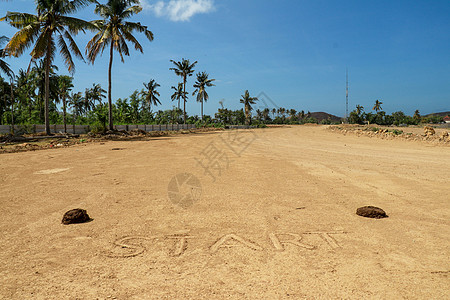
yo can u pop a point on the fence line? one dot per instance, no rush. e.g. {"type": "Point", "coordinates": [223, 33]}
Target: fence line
{"type": "Point", "coordinates": [81, 129]}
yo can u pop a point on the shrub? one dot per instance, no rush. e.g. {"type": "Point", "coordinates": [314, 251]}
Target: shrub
{"type": "Point", "coordinates": [98, 128]}
{"type": "Point", "coordinates": [397, 132]}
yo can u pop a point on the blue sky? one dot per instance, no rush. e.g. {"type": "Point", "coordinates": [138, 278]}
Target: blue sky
{"type": "Point", "coordinates": [296, 52]}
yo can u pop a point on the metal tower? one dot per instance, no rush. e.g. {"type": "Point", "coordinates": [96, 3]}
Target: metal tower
{"type": "Point", "coordinates": [346, 95]}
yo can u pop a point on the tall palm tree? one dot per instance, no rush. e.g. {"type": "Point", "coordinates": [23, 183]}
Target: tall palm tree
{"type": "Point", "coordinates": [359, 109]}
{"type": "Point", "coordinates": [50, 28]}
{"type": "Point", "coordinates": [114, 31]}
{"type": "Point", "coordinates": [377, 106]}
{"type": "Point", "coordinates": [183, 68]}
{"type": "Point", "coordinates": [178, 94]}
{"type": "Point", "coordinates": [200, 88]}
{"type": "Point", "coordinates": [151, 93]}
{"type": "Point", "coordinates": [4, 66]}
{"type": "Point", "coordinates": [248, 101]}
{"type": "Point", "coordinates": [64, 86]}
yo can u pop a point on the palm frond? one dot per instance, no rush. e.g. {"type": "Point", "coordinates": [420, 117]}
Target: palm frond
{"type": "Point", "coordinates": [75, 25]}
{"type": "Point", "coordinates": [64, 50]}
{"type": "Point", "coordinates": [23, 39]}
{"type": "Point", "coordinates": [130, 11]}
{"type": "Point", "coordinates": [129, 37]}
{"type": "Point", "coordinates": [73, 46]}
{"type": "Point", "coordinates": [19, 20]}
{"type": "Point", "coordinates": [41, 46]}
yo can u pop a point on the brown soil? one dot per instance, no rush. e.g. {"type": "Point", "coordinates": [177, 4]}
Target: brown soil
{"type": "Point", "coordinates": [272, 217]}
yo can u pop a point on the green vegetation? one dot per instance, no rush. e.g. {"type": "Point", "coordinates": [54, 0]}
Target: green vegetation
{"type": "Point", "coordinates": [184, 69]}
{"type": "Point", "coordinates": [41, 96]}
{"type": "Point", "coordinates": [114, 31]}
{"type": "Point", "coordinates": [51, 23]}
{"type": "Point", "coordinates": [200, 88]}
{"type": "Point", "coordinates": [248, 102]}
{"type": "Point", "coordinates": [358, 116]}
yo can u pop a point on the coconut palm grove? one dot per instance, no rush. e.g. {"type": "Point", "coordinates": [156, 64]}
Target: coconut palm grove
{"type": "Point", "coordinates": [39, 95]}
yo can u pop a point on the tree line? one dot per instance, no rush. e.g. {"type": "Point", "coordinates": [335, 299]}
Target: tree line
{"type": "Point", "coordinates": [379, 117]}
{"type": "Point", "coordinates": [33, 96]}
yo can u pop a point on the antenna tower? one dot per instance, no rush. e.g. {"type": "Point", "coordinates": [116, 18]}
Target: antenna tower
{"type": "Point", "coordinates": [346, 95]}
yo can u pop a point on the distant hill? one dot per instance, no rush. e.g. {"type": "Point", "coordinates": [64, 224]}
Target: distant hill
{"type": "Point", "coordinates": [320, 115]}
{"type": "Point", "coordinates": [441, 114]}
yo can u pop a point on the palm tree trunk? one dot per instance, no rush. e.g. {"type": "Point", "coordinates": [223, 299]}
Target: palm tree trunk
{"type": "Point", "coordinates": [184, 98]}
{"type": "Point", "coordinates": [202, 110]}
{"type": "Point", "coordinates": [1, 112]}
{"type": "Point", "coordinates": [12, 108]}
{"type": "Point", "coordinates": [47, 89]}
{"type": "Point", "coordinates": [109, 89]}
{"type": "Point", "coordinates": [246, 114]}
{"type": "Point", "coordinates": [64, 113]}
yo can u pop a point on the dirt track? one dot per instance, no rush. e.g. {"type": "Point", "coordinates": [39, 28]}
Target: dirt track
{"type": "Point", "coordinates": [276, 220]}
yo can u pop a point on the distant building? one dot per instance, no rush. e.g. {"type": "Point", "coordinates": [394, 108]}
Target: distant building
{"type": "Point", "coordinates": [447, 119]}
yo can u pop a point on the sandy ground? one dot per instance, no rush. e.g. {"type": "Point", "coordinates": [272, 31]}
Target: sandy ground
{"type": "Point", "coordinates": [264, 214]}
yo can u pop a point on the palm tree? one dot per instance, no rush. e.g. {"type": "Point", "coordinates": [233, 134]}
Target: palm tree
{"type": "Point", "coordinates": [377, 106]}
{"type": "Point", "coordinates": [292, 112]}
{"type": "Point", "coordinates": [76, 101]}
{"type": "Point", "coordinates": [114, 31]}
{"type": "Point", "coordinates": [359, 109]}
{"type": "Point", "coordinates": [4, 66]}
{"type": "Point", "coordinates": [50, 28]}
{"type": "Point", "coordinates": [266, 113]}
{"type": "Point", "coordinates": [27, 87]}
{"type": "Point", "coordinates": [38, 75]}
{"type": "Point", "coordinates": [64, 86]}
{"type": "Point", "coordinates": [248, 101]}
{"type": "Point", "coordinates": [200, 88]}
{"type": "Point", "coordinates": [151, 93]}
{"type": "Point", "coordinates": [302, 114]}
{"type": "Point", "coordinates": [178, 94]}
{"type": "Point", "coordinates": [183, 68]}
{"type": "Point", "coordinates": [95, 93]}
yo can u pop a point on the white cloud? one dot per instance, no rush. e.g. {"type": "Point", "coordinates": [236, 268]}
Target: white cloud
{"type": "Point", "coordinates": [179, 10]}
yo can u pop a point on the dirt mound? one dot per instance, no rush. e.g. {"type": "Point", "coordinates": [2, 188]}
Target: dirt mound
{"type": "Point", "coordinates": [9, 138]}
{"type": "Point", "coordinates": [430, 134]}
{"type": "Point", "coordinates": [77, 215]}
{"type": "Point", "coordinates": [429, 131]}
{"type": "Point", "coordinates": [137, 131]}
{"type": "Point", "coordinates": [371, 212]}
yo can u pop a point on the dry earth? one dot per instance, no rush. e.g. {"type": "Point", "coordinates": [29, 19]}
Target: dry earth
{"type": "Point", "coordinates": [275, 218]}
